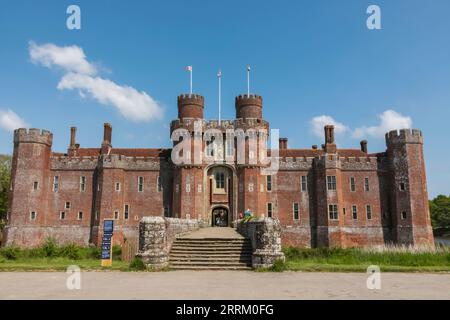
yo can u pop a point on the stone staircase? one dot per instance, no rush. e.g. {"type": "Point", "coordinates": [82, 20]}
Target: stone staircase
{"type": "Point", "coordinates": [209, 251]}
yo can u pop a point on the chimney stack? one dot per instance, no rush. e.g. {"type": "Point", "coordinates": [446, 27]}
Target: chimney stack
{"type": "Point", "coordinates": [73, 133]}
{"type": "Point", "coordinates": [364, 146]}
{"type": "Point", "coordinates": [330, 145]}
{"type": "Point", "coordinates": [283, 143]}
{"type": "Point", "coordinates": [107, 134]}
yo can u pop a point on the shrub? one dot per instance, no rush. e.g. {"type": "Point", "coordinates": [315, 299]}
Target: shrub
{"type": "Point", "coordinates": [93, 252]}
{"type": "Point", "coordinates": [10, 252]}
{"type": "Point", "coordinates": [137, 264]}
{"type": "Point", "coordinates": [117, 252]}
{"type": "Point", "coordinates": [279, 266]}
{"type": "Point", "coordinates": [50, 248]}
{"type": "Point", "coordinates": [70, 251]}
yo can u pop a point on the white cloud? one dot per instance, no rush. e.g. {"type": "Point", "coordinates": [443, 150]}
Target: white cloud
{"type": "Point", "coordinates": [70, 59]}
{"type": "Point", "coordinates": [10, 121]}
{"type": "Point", "coordinates": [133, 105]}
{"type": "Point", "coordinates": [389, 120]}
{"type": "Point", "coordinates": [319, 122]}
{"type": "Point", "coordinates": [81, 75]}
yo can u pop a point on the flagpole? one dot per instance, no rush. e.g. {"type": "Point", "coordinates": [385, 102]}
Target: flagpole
{"type": "Point", "coordinates": [220, 94]}
{"type": "Point", "coordinates": [248, 80]}
{"type": "Point", "coordinates": [190, 73]}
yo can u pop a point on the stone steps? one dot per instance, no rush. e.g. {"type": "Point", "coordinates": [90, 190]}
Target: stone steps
{"type": "Point", "coordinates": [211, 254]}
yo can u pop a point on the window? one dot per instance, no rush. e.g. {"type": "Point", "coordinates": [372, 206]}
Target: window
{"type": "Point", "coordinates": [352, 184]}
{"type": "Point", "coordinates": [210, 147]}
{"type": "Point", "coordinates": [366, 184]}
{"type": "Point", "coordinates": [304, 183]}
{"type": "Point", "coordinates": [229, 146]}
{"type": "Point", "coordinates": [354, 212]}
{"type": "Point", "coordinates": [403, 215]}
{"type": "Point", "coordinates": [295, 210]}
{"type": "Point", "coordinates": [126, 212]}
{"type": "Point", "coordinates": [369, 212]}
{"type": "Point", "coordinates": [35, 185]}
{"type": "Point", "coordinates": [220, 180]}
{"type": "Point", "coordinates": [269, 209]}
{"type": "Point", "coordinates": [33, 215]}
{"type": "Point", "coordinates": [331, 182]}
{"type": "Point", "coordinates": [55, 183]}
{"type": "Point", "coordinates": [344, 211]}
{"type": "Point", "coordinates": [8, 216]}
{"type": "Point", "coordinates": [116, 215]}
{"type": "Point", "coordinates": [402, 187]}
{"type": "Point", "coordinates": [140, 184]}
{"type": "Point", "coordinates": [166, 211]}
{"type": "Point", "coordinates": [80, 215]}
{"type": "Point", "coordinates": [98, 186]}
{"type": "Point", "coordinates": [333, 211]}
{"type": "Point", "coordinates": [67, 205]}
{"type": "Point", "coordinates": [158, 184]}
{"type": "Point", "coordinates": [97, 215]}
{"type": "Point", "coordinates": [82, 184]}
{"type": "Point", "coordinates": [62, 215]}
{"type": "Point", "coordinates": [117, 186]}
{"type": "Point", "coordinates": [269, 183]}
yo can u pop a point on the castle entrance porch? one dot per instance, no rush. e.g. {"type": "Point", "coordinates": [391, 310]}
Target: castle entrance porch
{"type": "Point", "coordinates": [220, 217]}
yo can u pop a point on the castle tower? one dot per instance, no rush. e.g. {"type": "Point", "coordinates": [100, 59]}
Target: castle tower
{"type": "Point", "coordinates": [409, 197]}
{"type": "Point", "coordinates": [30, 185]}
{"type": "Point", "coordinates": [248, 106]}
{"type": "Point", "coordinates": [190, 106]}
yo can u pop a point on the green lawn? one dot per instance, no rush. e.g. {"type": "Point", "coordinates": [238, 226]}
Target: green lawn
{"type": "Point", "coordinates": [357, 260]}
{"type": "Point", "coordinates": [51, 257]}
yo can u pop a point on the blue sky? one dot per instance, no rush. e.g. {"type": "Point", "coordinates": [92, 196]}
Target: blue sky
{"type": "Point", "coordinates": [308, 59]}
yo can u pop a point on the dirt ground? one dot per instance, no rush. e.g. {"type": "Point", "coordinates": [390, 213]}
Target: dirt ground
{"type": "Point", "coordinates": [203, 285]}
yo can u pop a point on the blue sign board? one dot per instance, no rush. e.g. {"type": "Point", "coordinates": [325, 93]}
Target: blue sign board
{"type": "Point", "coordinates": [108, 229]}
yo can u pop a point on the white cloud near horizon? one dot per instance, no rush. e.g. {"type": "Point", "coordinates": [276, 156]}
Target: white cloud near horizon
{"type": "Point", "coordinates": [318, 123]}
{"type": "Point", "coordinates": [81, 75]}
{"type": "Point", "coordinates": [389, 120]}
{"type": "Point", "coordinates": [9, 121]}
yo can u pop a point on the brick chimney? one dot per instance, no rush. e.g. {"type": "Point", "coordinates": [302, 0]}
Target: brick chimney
{"type": "Point", "coordinates": [73, 146]}
{"type": "Point", "coordinates": [364, 146]}
{"type": "Point", "coordinates": [283, 143]}
{"type": "Point", "coordinates": [330, 145]}
{"type": "Point", "coordinates": [107, 134]}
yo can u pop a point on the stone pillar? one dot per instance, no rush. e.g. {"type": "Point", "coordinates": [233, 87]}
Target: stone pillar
{"type": "Point", "coordinates": [153, 242]}
{"type": "Point", "coordinates": [265, 235]}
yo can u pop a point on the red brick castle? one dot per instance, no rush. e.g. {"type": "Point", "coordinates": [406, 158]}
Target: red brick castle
{"type": "Point", "coordinates": [323, 196]}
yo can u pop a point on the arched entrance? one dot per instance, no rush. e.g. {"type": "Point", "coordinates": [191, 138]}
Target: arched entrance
{"type": "Point", "coordinates": [219, 217]}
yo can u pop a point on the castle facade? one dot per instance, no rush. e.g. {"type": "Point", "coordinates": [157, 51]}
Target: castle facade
{"type": "Point", "coordinates": [322, 196]}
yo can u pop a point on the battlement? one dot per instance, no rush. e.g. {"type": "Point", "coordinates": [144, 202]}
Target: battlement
{"type": "Point", "coordinates": [249, 100]}
{"type": "Point", "coordinates": [404, 136]}
{"type": "Point", "coordinates": [190, 106]}
{"type": "Point", "coordinates": [33, 135]}
{"type": "Point", "coordinates": [191, 98]}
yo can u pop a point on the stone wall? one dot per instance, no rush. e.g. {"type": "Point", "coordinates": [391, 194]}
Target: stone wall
{"type": "Point", "coordinates": [156, 235]}
{"type": "Point", "coordinates": [265, 235]}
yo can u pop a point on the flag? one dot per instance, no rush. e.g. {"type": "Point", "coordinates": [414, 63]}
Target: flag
{"type": "Point", "coordinates": [189, 68]}
{"type": "Point", "coordinates": [219, 74]}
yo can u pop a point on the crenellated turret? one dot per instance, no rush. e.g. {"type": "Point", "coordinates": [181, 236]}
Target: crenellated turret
{"type": "Point", "coordinates": [249, 106]}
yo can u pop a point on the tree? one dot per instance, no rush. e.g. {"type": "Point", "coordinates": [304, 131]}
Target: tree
{"type": "Point", "coordinates": [440, 212]}
{"type": "Point", "coordinates": [5, 177]}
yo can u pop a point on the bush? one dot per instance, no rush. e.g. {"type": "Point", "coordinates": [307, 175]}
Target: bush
{"type": "Point", "coordinates": [137, 264]}
{"type": "Point", "coordinates": [93, 253]}
{"type": "Point", "coordinates": [70, 251]}
{"type": "Point", "coordinates": [117, 252]}
{"type": "Point", "coordinates": [10, 252]}
{"type": "Point", "coordinates": [279, 266]}
{"type": "Point", "coordinates": [50, 247]}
